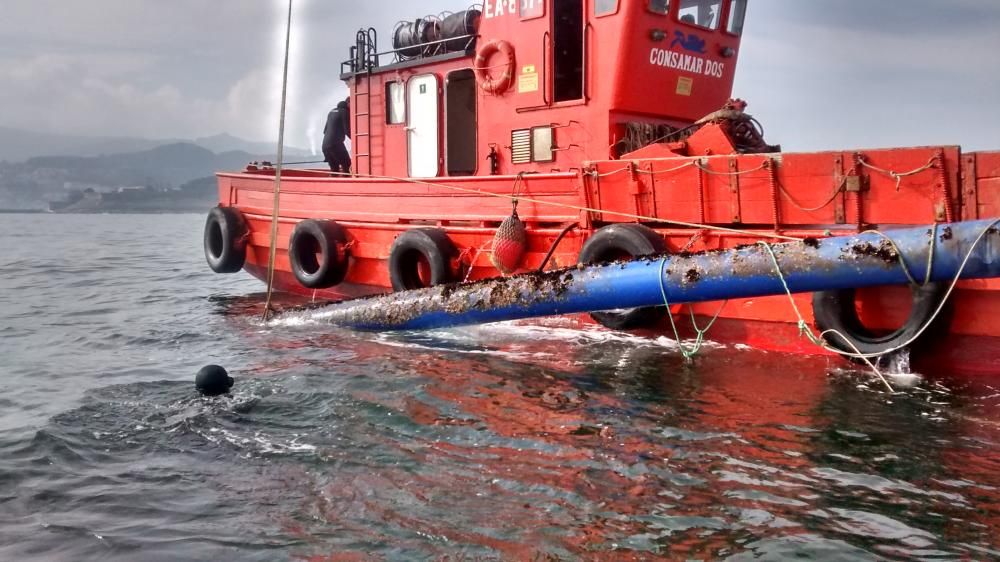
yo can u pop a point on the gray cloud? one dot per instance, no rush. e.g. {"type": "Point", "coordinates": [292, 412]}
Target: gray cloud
{"type": "Point", "coordinates": [819, 74]}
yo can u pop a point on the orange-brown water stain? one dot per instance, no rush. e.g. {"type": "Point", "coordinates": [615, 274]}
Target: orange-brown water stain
{"type": "Point", "coordinates": [564, 488]}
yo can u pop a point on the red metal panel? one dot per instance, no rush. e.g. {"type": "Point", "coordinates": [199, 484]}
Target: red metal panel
{"type": "Point", "coordinates": [988, 183]}
{"type": "Point", "coordinates": [682, 76]}
{"type": "Point", "coordinates": [987, 164]}
{"type": "Point", "coordinates": [391, 201]}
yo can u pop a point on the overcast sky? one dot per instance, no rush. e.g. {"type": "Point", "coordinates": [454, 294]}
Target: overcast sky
{"type": "Point", "coordinates": [817, 73]}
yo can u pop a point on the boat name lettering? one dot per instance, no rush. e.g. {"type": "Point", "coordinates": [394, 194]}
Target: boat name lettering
{"type": "Point", "coordinates": [497, 8]}
{"type": "Point", "coordinates": [687, 63]}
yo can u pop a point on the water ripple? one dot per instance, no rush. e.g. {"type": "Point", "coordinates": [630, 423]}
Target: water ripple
{"type": "Point", "coordinates": [519, 441]}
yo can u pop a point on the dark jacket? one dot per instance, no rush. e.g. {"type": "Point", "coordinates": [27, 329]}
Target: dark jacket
{"type": "Point", "coordinates": [338, 126]}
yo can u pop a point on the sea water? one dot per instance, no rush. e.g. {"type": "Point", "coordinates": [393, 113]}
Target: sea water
{"type": "Point", "coordinates": [527, 441]}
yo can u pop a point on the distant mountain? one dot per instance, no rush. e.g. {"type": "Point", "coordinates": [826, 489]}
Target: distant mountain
{"type": "Point", "coordinates": [227, 143]}
{"type": "Point", "coordinates": [17, 145]}
{"type": "Point", "coordinates": [36, 181]}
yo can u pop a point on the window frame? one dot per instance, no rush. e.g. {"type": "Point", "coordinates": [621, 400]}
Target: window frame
{"type": "Point", "coordinates": [475, 125]}
{"type": "Point", "coordinates": [730, 10]}
{"type": "Point", "coordinates": [617, 8]}
{"type": "Point", "coordinates": [389, 99]}
{"type": "Point", "coordinates": [542, 11]}
{"type": "Point", "coordinates": [649, 8]}
{"type": "Point", "coordinates": [723, 11]}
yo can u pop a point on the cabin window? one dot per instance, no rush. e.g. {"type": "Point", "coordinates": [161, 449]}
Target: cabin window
{"type": "Point", "coordinates": [567, 50]}
{"type": "Point", "coordinates": [531, 9]}
{"type": "Point", "coordinates": [395, 103]}
{"type": "Point", "coordinates": [605, 7]}
{"type": "Point", "coordinates": [659, 6]}
{"type": "Point", "coordinates": [460, 123]}
{"type": "Point", "coordinates": [701, 13]}
{"type": "Point", "coordinates": [737, 13]}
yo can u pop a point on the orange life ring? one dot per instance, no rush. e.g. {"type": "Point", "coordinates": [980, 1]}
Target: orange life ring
{"type": "Point", "coordinates": [491, 83]}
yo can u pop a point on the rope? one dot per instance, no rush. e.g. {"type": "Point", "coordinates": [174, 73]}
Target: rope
{"type": "Point", "coordinates": [516, 191]}
{"type": "Point", "coordinates": [902, 261]}
{"type": "Point", "coordinates": [804, 328]}
{"type": "Point", "coordinates": [898, 176]}
{"type": "Point", "coordinates": [756, 234]}
{"type": "Point", "coordinates": [820, 340]}
{"type": "Point", "coordinates": [688, 353]}
{"type": "Point", "coordinates": [635, 169]}
{"type": "Point", "coordinates": [799, 206]}
{"type": "Point", "coordinates": [646, 218]}
{"type": "Point", "coordinates": [272, 255]}
{"type": "Point", "coordinates": [472, 262]}
{"type": "Point", "coordinates": [555, 244]}
{"type": "Point", "coordinates": [711, 172]}
{"type": "Point", "coordinates": [490, 67]}
{"type": "Point", "coordinates": [691, 242]}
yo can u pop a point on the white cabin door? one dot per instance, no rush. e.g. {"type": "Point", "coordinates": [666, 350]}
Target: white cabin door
{"type": "Point", "coordinates": [422, 133]}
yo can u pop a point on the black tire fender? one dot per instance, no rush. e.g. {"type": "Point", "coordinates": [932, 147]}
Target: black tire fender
{"type": "Point", "coordinates": [836, 310]}
{"type": "Point", "coordinates": [318, 255]}
{"type": "Point", "coordinates": [433, 246]}
{"type": "Point", "coordinates": [225, 240]}
{"type": "Point", "coordinates": [615, 242]}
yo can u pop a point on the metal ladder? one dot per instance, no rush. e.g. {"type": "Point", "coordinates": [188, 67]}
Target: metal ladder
{"type": "Point", "coordinates": [366, 60]}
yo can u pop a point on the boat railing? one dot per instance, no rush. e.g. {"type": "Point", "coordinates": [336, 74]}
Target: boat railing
{"type": "Point", "coordinates": [362, 59]}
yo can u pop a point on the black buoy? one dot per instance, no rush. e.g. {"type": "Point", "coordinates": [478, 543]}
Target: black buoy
{"type": "Point", "coordinates": [213, 380]}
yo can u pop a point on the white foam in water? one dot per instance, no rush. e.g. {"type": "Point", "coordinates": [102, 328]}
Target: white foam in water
{"type": "Point", "coordinates": [540, 331]}
{"type": "Point", "coordinates": [548, 329]}
{"type": "Point", "coordinates": [899, 373]}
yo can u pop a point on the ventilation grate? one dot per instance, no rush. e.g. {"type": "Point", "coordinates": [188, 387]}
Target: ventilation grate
{"type": "Point", "coordinates": [520, 146]}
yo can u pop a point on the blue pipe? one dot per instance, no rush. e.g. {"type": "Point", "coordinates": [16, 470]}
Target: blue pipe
{"type": "Point", "coordinates": [813, 265]}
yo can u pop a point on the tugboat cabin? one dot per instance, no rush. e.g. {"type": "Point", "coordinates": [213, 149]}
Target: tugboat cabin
{"type": "Point", "coordinates": [537, 86]}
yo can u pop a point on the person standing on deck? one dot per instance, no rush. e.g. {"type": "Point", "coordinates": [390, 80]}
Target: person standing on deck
{"type": "Point", "coordinates": [338, 127]}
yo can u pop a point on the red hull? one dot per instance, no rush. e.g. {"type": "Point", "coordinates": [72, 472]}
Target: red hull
{"type": "Point", "coordinates": [580, 140]}
{"type": "Point", "coordinates": [769, 324]}
{"type": "Point", "coordinates": [389, 207]}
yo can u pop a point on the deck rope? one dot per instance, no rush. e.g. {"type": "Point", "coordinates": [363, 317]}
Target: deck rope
{"type": "Point", "coordinates": [712, 172]}
{"type": "Point", "coordinates": [273, 250]}
{"type": "Point", "coordinates": [797, 205]}
{"type": "Point", "coordinates": [898, 176]}
{"type": "Point", "coordinates": [580, 208]}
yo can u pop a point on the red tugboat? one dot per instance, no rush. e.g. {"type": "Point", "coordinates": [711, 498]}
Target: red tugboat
{"type": "Point", "coordinates": [540, 134]}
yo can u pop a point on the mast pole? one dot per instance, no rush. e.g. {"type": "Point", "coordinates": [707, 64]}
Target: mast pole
{"type": "Point", "coordinates": [272, 255]}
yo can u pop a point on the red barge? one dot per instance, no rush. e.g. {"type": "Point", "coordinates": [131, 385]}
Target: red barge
{"type": "Point", "coordinates": [608, 129]}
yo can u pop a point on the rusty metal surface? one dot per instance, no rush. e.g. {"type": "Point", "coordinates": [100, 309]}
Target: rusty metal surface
{"type": "Point", "coordinates": [811, 265]}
